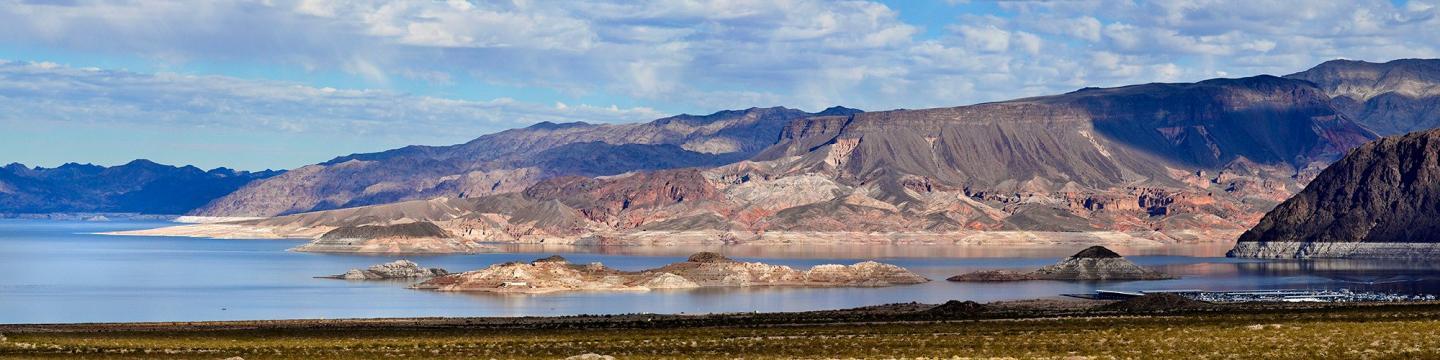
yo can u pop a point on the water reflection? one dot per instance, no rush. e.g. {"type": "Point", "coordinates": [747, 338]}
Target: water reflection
{"type": "Point", "coordinates": [54, 272]}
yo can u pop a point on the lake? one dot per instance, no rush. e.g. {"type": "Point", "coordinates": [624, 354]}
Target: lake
{"type": "Point", "coordinates": [57, 272]}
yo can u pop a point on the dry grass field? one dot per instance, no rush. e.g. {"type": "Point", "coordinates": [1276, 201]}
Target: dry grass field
{"type": "Point", "coordinates": [1364, 332]}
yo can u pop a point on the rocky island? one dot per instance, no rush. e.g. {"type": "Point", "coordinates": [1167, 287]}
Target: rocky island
{"type": "Point", "coordinates": [555, 274]}
{"type": "Point", "coordinates": [1380, 201]}
{"type": "Point", "coordinates": [398, 269]}
{"type": "Point", "coordinates": [408, 238]}
{"type": "Point", "coordinates": [1095, 263]}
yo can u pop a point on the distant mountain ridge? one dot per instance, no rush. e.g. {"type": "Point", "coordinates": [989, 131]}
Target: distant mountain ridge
{"type": "Point", "coordinates": [1162, 161]}
{"type": "Point", "coordinates": [512, 160]}
{"type": "Point", "coordinates": [140, 186]}
{"type": "Point", "coordinates": [1134, 165]}
{"type": "Point", "coordinates": [1391, 98]}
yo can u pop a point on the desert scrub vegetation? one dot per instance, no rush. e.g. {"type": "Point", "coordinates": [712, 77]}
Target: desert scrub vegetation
{"type": "Point", "coordinates": [1365, 333]}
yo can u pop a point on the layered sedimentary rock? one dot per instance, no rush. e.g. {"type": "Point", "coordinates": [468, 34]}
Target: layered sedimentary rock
{"type": "Point", "coordinates": [1380, 201]}
{"type": "Point", "coordinates": [555, 274]}
{"type": "Point", "coordinates": [1391, 98]}
{"type": "Point", "coordinates": [398, 269]}
{"type": "Point", "coordinates": [404, 238]}
{"type": "Point", "coordinates": [1095, 263]}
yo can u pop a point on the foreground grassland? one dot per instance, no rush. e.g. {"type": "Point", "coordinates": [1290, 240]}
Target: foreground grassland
{"type": "Point", "coordinates": [1367, 332]}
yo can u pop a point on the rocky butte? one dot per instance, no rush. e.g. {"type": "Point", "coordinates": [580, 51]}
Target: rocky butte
{"type": "Point", "coordinates": [1095, 263]}
{"type": "Point", "coordinates": [1380, 201]}
{"type": "Point", "coordinates": [555, 274]}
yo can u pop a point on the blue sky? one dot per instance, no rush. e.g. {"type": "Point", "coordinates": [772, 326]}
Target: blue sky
{"type": "Point", "coordinates": [284, 83]}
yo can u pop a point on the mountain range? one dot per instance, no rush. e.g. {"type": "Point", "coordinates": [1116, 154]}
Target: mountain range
{"type": "Point", "coordinates": [1162, 162]}
{"type": "Point", "coordinates": [1166, 162]}
{"type": "Point", "coordinates": [512, 160]}
{"type": "Point", "coordinates": [140, 186]}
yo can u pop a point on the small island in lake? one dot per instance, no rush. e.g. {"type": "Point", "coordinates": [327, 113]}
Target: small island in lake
{"type": "Point", "coordinates": [1092, 264]}
{"type": "Point", "coordinates": [398, 269]}
{"type": "Point", "coordinates": [555, 273]}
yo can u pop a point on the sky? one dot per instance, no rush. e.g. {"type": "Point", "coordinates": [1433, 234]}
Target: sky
{"type": "Point", "coordinates": [283, 83]}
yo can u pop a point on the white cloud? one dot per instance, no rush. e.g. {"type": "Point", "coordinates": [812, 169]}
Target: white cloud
{"type": "Point", "coordinates": [987, 38]}
{"type": "Point", "coordinates": [56, 93]}
{"type": "Point", "coordinates": [712, 54]}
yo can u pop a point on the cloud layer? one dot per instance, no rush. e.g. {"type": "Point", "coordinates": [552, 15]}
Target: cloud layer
{"type": "Point", "coordinates": [692, 55]}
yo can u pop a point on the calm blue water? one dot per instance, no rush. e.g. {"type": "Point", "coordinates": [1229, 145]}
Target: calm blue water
{"type": "Point", "coordinates": [55, 272]}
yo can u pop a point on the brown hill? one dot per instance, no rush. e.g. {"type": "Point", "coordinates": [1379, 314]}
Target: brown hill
{"type": "Point", "coordinates": [1380, 201]}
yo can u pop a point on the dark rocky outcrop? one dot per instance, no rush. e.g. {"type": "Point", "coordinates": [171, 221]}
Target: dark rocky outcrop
{"type": "Point", "coordinates": [140, 186]}
{"type": "Point", "coordinates": [957, 308]}
{"type": "Point", "coordinates": [1095, 263]}
{"type": "Point", "coordinates": [1380, 201]}
{"type": "Point", "coordinates": [1157, 302]}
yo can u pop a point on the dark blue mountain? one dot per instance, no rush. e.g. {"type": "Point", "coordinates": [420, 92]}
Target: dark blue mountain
{"type": "Point", "coordinates": [141, 186]}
